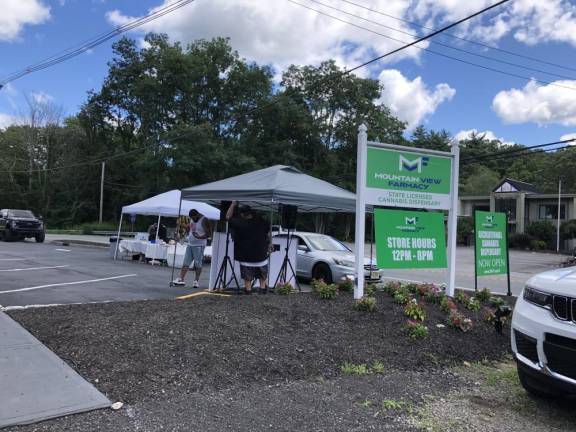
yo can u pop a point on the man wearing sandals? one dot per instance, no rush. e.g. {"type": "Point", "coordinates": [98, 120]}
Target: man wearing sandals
{"type": "Point", "coordinates": [251, 236]}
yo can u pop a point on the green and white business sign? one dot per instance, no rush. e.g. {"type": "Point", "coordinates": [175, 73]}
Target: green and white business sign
{"type": "Point", "coordinates": [491, 243]}
{"type": "Point", "coordinates": [409, 239]}
{"type": "Point", "coordinates": [397, 178]}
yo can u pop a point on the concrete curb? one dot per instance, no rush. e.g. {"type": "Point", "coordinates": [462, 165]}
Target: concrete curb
{"type": "Point", "coordinates": [65, 242]}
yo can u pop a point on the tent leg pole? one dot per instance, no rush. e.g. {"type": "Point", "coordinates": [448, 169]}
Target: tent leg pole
{"type": "Point", "coordinates": [118, 237]}
{"type": "Point", "coordinates": [176, 238]}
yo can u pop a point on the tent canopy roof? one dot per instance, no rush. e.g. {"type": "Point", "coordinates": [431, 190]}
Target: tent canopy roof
{"type": "Point", "coordinates": [278, 184]}
{"type": "Point", "coordinates": [167, 204]}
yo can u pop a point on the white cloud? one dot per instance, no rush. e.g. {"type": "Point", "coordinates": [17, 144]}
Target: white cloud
{"type": "Point", "coordinates": [279, 32]}
{"type": "Point", "coordinates": [411, 101]}
{"type": "Point", "coordinates": [541, 104]}
{"type": "Point", "coordinates": [569, 136]}
{"type": "Point", "coordinates": [7, 120]}
{"type": "Point", "coordinates": [16, 14]}
{"type": "Point", "coordinates": [529, 21]}
{"type": "Point", "coordinates": [487, 134]}
{"type": "Point", "coordinates": [41, 97]}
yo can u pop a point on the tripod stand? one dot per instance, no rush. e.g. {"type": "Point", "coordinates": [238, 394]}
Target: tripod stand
{"type": "Point", "coordinates": [222, 281]}
{"type": "Point", "coordinates": [286, 264]}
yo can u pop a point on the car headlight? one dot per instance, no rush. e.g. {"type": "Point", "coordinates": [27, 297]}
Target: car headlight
{"type": "Point", "coordinates": [344, 262]}
{"type": "Point", "coordinates": [536, 297]}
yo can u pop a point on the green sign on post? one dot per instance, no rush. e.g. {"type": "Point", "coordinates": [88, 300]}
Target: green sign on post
{"type": "Point", "coordinates": [409, 240]}
{"type": "Point", "coordinates": [397, 178]}
{"type": "Point", "coordinates": [491, 243]}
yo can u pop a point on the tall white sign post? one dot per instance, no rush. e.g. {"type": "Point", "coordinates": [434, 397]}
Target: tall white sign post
{"type": "Point", "coordinates": [397, 176]}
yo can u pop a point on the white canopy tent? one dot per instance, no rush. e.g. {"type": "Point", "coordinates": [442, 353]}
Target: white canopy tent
{"type": "Point", "coordinates": [167, 204]}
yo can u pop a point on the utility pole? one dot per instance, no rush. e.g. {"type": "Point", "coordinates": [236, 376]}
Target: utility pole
{"type": "Point", "coordinates": [102, 192]}
{"type": "Point", "coordinates": [558, 226]}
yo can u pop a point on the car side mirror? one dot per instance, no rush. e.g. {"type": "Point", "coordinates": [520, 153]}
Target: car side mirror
{"type": "Point", "coordinates": [303, 248]}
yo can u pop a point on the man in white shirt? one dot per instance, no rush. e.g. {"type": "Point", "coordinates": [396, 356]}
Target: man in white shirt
{"type": "Point", "coordinates": [199, 230]}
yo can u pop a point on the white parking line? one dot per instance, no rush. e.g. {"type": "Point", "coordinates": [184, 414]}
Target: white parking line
{"type": "Point", "coordinates": [63, 250]}
{"type": "Point", "coordinates": [66, 283]}
{"type": "Point", "coordinates": [34, 268]}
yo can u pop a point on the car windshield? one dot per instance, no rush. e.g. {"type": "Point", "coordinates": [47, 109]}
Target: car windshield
{"type": "Point", "coordinates": [20, 213]}
{"type": "Point", "coordinates": [326, 243]}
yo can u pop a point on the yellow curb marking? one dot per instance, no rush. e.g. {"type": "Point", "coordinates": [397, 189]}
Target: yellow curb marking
{"type": "Point", "coordinates": [184, 297]}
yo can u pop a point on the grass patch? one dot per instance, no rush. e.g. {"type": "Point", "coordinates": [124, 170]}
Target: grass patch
{"type": "Point", "coordinates": [391, 404]}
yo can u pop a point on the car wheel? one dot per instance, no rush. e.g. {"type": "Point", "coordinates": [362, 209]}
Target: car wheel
{"type": "Point", "coordinates": [40, 237]}
{"type": "Point", "coordinates": [7, 236]}
{"type": "Point", "coordinates": [536, 387]}
{"type": "Point", "coordinates": [321, 271]}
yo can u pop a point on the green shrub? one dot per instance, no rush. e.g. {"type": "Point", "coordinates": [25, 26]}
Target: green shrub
{"type": "Point", "coordinates": [391, 287]}
{"type": "Point", "coordinates": [401, 297]}
{"type": "Point", "coordinates": [353, 369]}
{"type": "Point", "coordinates": [473, 304]}
{"type": "Point", "coordinates": [538, 245]}
{"type": "Point", "coordinates": [365, 304]}
{"type": "Point", "coordinates": [496, 301]}
{"type": "Point", "coordinates": [284, 289]}
{"type": "Point", "coordinates": [315, 283]}
{"type": "Point", "coordinates": [377, 367]}
{"type": "Point", "coordinates": [370, 290]}
{"type": "Point", "coordinates": [465, 230]}
{"type": "Point", "coordinates": [461, 297]}
{"type": "Point", "coordinates": [415, 311]}
{"type": "Point", "coordinates": [416, 330]}
{"type": "Point", "coordinates": [519, 241]}
{"type": "Point", "coordinates": [327, 291]}
{"type": "Point", "coordinates": [346, 285]}
{"type": "Point", "coordinates": [483, 295]}
{"type": "Point", "coordinates": [543, 231]}
{"type": "Point", "coordinates": [459, 321]}
{"type": "Point", "coordinates": [412, 288]}
{"type": "Point", "coordinates": [447, 305]}
{"type": "Point", "coordinates": [568, 229]}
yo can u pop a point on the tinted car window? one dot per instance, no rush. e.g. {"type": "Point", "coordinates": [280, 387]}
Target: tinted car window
{"type": "Point", "coordinates": [20, 213]}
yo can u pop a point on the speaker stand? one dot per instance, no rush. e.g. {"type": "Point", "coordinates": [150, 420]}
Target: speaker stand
{"type": "Point", "coordinates": [286, 264]}
{"type": "Point", "coordinates": [221, 281]}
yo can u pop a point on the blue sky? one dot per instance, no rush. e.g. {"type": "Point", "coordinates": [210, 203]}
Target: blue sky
{"type": "Point", "coordinates": [420, 87]}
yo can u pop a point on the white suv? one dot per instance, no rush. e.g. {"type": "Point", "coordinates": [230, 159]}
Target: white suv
{"type": "Point", "coordinates": [544, 333]}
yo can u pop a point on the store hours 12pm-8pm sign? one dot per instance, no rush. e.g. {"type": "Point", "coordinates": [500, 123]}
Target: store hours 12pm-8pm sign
{"type": "Point", "coordinates": [407, 179]}
{"type": "Point", "coordinates": [410, 239]}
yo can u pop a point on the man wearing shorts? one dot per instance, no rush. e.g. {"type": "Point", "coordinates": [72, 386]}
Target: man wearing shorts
{"type": "Point", "coordinates": [251, 236]}
{"type": "Point", "coordinates": [198, 230]}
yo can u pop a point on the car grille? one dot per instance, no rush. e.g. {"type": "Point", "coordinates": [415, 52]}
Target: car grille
{"type": "Point", "coordinates": [564, 308]}
{"type": "Point", "coordinates": [561, 354]}
{"type": "Point", "coordinates": [372, 267]}
{"type": "Point", "coordinates": [526, 346]}
{"type": "Point", "coordinates": [27, 224]}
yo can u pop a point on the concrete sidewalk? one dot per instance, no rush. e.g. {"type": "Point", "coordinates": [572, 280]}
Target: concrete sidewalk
{"type": "Point", "coordinates": [35, 384]}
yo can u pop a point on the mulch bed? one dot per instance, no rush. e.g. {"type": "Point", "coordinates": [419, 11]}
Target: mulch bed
{"type": "Point", "coordinates": [144, 351]}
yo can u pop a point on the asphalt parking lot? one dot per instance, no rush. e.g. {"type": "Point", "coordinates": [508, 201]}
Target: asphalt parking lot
{"type": "Point", "coordinates": [43, 274]}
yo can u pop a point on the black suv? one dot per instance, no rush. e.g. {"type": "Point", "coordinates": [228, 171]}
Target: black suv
{"type": "Point", "coordinates": [20, 224]}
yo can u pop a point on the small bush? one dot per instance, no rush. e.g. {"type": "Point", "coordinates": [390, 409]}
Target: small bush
{"type": "Point", "coordinates": [401, 297]}
{"type": "Point", "coordinates": [391, 287]}
{"type": "Point", "coordinates": [483, 295]}
{"type": "Point", "coordinates": [543, 231]}
{"type": "Point", "coordinates": [370, 290]}
{"type": "Point", "coordinates": [447, 305]}
{"type": "Point", "coordinates": [346, 285]}
{"type": "Point", "coordinates": [538, 245]}
{"type": "Point", "coordinates": [327, 292]}
{"type": "Point", "coordinates": [315, 283]}
{"type": "Point", "coordinates": [416, 330]}
{"type": "Point", "coordinates": [365, 304]}
{"type": "Point", "coordinates": [284, 289]}
{"type": "Point", "coordinates": [461, 297]}
{"type": "Point", "coordinates": [412, 288]}
{"type": "Point", "coordinates": [459, 321]}
{"type": "Point", "coordinates": [415, 311]}
{"type": "Point", "coordinates": [391, 404]}
{"type": "Point", "coordinates": [520, 241]}
{"type": "Point", "coordinates": [353, 369]}
{"type": "Point", "coordinates": [488, 314]}
{"type": "Point", "coordinates": [473, 304]}
{"type": "Point", "coordinates": [377, 367]}
{"type": "Point", "coordinates": [496, 301]}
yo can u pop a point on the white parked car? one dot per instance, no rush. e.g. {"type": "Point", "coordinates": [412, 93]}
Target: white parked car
{"type": "Point", "coordinates": [544, 333]}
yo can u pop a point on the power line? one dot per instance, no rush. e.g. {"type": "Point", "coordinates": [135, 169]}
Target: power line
{"type": "Point", "coordinates": [516, 151]}
{"type": "Point", "coordinates": [489, 68]}
{"type": "Point", "coordinates": [320, 82]}
{"type": "Point", "coordinates": [94, 42]}
{"type": "Point", "coordinates": [512, 53]}
{"type": "Point", "coordinates": [440, 43]}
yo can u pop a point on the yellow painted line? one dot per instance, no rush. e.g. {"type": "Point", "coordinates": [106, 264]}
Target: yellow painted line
{"type": "Point", "coordinates": [184, 297]}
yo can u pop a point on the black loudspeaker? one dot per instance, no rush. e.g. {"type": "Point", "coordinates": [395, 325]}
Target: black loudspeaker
{"type": "Point", "coordinates": [288, 214]}
{"type": "Point", "coordinates": [224, 206]}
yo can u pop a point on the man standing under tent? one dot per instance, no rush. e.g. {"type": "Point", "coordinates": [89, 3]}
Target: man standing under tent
{"type": "Point", "coordinates": [199, 230]}
{"type": "Point", "coordinates": [251, 236]}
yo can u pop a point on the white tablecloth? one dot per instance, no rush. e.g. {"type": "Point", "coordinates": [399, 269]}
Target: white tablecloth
{"type": "Point", "coordinates": [132, 246]}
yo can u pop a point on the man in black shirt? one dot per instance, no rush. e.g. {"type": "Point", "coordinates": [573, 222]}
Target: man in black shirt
{"type": "Point", "coordinates": [251, 236]}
